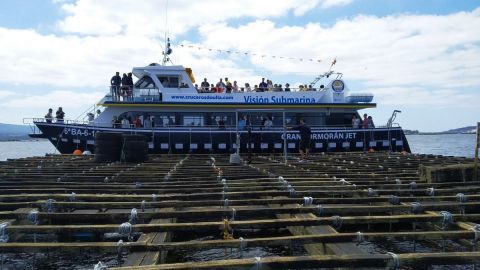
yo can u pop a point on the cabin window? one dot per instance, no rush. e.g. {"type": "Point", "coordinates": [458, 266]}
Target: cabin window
{"type": "Point", "coordinates": [163, 119]}
{"type": "Point", "coordinates": [169, 81]}
{"type": "Point", "coordinates": [222, 119]}
{"type": "Point", "coordinates": [339, 119]}
{"type": "Point", "coordinates": [193, 120]}
{"type": "Point", "coordinates": [311, 119]}
{"type": "Point", "coordinates": [145, 83]}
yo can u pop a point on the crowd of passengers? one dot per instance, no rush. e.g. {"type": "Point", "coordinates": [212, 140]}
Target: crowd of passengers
{"type": "Point", "coordinates": [226, 86]}
{"type": "Point", "coordinates": [122, 86]}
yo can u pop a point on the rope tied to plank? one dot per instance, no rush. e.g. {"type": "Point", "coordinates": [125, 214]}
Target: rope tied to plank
{"type": "Point", "coordinates": [476, 231]}
{"type": "Point", "coordinates": [319, 209]}
{"type": "Point", "coordinates": [430, 191]}
{"type": "Point", "coordinates": [226, 230]}
{"type": "Point", "coordinates": [395, 260]}
{"type": "Point", "coordinates": [291, 190]}
{"type": "Point", "coordinates": [360, 237]}
{"type": "Point", "coordinates": [395, 200]}
{"type": "Point", "coordinates": [234, 214]}
{"type": "Point", "coordinates": [337, 222]}
{"type": "Point", "coordinates": [126, 229]}
{"type": "Point", "coordinates": [73, 197]}
{"type": "Point", "coordinates": [33, 217]}
{"type": "Point", "coordinates": [154, 197]}
{"type": "Point", "coordinates": [4, 233]}
{"type": "Point", "coordinates": [133, 216]}
{"type": "Point", "coordinates": [413, 185]}
{"type": "Point", "coordinates": [143, 205]}
{"type": "Point", "coordinates": [307, 201]}
{"type": "Point", "coordinates": [447, 219]}
{"type": "Point", "coordinates": [461, 198]}
{"type": "Point", "coordinates": [415, 207]}
{"type": "Point", "coordinates": [49, 205]}
{"type": "Point", "coordinates": [119, 248]}
{"type": "Point", "coordinates": [258, 262]}
{"type": "Point", "coordinates": [243, 244]}
{"type": "Point", "coordinates": [371, 192]}
{"type": "Point", "coordinates": [99, 266]}
{"type": "Point", "coordinates": [225, 203]}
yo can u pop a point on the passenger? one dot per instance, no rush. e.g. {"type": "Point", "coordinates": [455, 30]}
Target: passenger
{"type": "Point", "coordinates": [213, 88]}
{"type": "Point", "coordinates": [262, 87]}
{"type": "Point", "coordinates": [49, 116]}
{"type": "Point", "coordinates": [235, 87]}
{"type": "Point", "coordinates": [287, 87]}
{"type": "Point", "coordinates": [257, 89]}
{"type": "Point", "coordinates": [60, 115]}
{"type": "Point", "coordinates": [221, 123]}
{"type": "Point", "coordinates": [125, 123]}
{"type": "Point", "coordinates": [98, 113]}
{"type": "Point", "coordinates": [268, 123]}
{"type": "Point", "coordinates": [115, 86]}
{"type": "Point", "coordinates": [355, 122]}
{"type": "Point", "coordinates": [370, 122]}
{"type": "Point", "coordinates": [276, 88]}
{"type": "Point", "coordinates": [205, 86]}
{"type": "Point", "coordinates": [280, 88]}
{"type": "Point", "coordinates": [229, 87]}
{"type": "Point", "coordinates": [305, 133]}
{"type": "Point", "coordinates": [365, 121]}
{"type": "Point", "coordinates": [124, 92]}
{"type": "Point", "coordinates": [116, 123]}
{"type": "Point", "coordinates": [130, 87]}
{"type": "Point", "coordinates": [198, 89]}
{"type": "Point", "coordinates": [269, 86]}
{"type": "Point", "coordinates": [247, 87]}
{"type": "Point", "coordinates": [242, 123]}
{"type": "Point", "coordinates": [310, 88]}
{"type": "Point", "coordinates": [137, 123]}
{"type": "Point", "coordinates": [147, 123]}
{"type": "Point", "coordinates": [220, 86]}
{"type": "Point", "coordinates": [300, 88]}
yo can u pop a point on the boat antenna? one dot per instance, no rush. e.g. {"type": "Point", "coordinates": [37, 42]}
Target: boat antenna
{"type": "Point", "coordinates": [168, 50]}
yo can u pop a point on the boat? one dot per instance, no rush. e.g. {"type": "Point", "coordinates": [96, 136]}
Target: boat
{"type": "Point", "coordinates": [176, 117]}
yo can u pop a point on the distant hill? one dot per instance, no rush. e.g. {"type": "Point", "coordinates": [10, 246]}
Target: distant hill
{"type": "Point", "coordinates": [469, 129]}
{"type": "Point", "coordinates": [13, 132]}
{"type": "Point", "coordinates": [463, 130]}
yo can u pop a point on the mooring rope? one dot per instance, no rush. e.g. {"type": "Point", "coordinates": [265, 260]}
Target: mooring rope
{"type": "Point", "coordinates": [234, 214]}
{"type": "Point", "coordinates": [395, 260]}
{"type": "Point", "coordinates": [307, 201]}
{"type": "Point", "coordinates": [413, 185]}
{"type": "Point", "coordinates": [73, 197]}
{"type": "Point", "coordinates": [416, 207]}
{"type": "Point", "coordinates": [258, 262]}
{"type": "Point", "coordinates": [99, 266]}
{"type": "Point", "coordinates": [243, 244]}
{"type": "Point", "coordinates": [33, 217]}
{"type": "Point", "coordinates": [225, 203]}
{"type": "Point", "coordinates": [360, 237]}
{"type": "Point", "coordinates": [143, 205]}
{"type": "Point", "coordinates": [476, 231]}
{"type": "Point", "coordinates": [133, 216]}
{"type": "Point", "coordinates": [154, 197]}
{"type": "Point", "coordinates": [371, 192]}
{"type": "Point", "coordinates": [430, 191]}
{"type": "Point", "coordinates": [447, 219]}
{"type": "Point", "coordinates": [319, 209]}
{"type": "Point", "coordinates": [337, 222]}
{"type": "Point", "coordinates": [291, 190]}
{"type": "Point", "coordinates": [49, 205]}
{"type": "Point", "coordinates": [4, 233]}
{"type": "Point", "coordinates": [395, 200]}
{"type": "Point", "coordinates": [461, 198]}
{"type": "Point", "coordinates": [119, 248]}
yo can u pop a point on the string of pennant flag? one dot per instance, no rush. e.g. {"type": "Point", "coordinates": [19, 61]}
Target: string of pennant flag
{"type": "Point", "coordinates": [254, 54]}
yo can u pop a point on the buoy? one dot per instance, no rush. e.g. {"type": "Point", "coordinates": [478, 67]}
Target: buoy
{"type": "Point", "coordinates": [404, 152]}
{"type": "Point", "coordinates": [371, 150]}
{"type": "Point", "coordinates": [77, 152]}
{"type": "Point", "coordinates": [86, 153]}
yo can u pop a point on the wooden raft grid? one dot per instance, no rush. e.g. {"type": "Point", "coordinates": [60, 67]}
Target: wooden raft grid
{"type": "Point", "coordinates": [332, 205]}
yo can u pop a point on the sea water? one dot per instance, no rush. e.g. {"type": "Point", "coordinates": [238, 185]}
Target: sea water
{"type": "Point", "coordinates": [462, 145]}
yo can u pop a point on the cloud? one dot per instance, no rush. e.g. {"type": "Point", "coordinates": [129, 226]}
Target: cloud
{"type": "Point", "coordinates": [113, 17]}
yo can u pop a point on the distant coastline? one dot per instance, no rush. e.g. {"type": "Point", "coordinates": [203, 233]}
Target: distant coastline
{"type": "Point", "coordinates": [463, 130]}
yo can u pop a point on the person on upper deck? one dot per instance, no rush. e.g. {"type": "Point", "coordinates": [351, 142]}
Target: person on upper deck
{"type": "Point", "coordinates": [228, 87]}
{"type": "Point", "coordinates": [220, 86]}
{"type": "Point", "coordinates": [269, 86]}
{"type": "Point", "coordinates": [115, 82]}
{"type": "Point", "coordinates": [247, 87]}
{"type": "Point", "coordinates": [205, 86]}
{"type": "Point", "coordinates": [49, 116]}
{"type": "Point", "coordinates": [370, 122]}
{"type": "Point", "coordinates": [355, 122]}
{"type": "Point", "coordinates": [235, 87]}
{"type": "Point", "coordinates": [124, 86]}
{"type": "Point", "coordinates": [287, 87]}
{"type": "Point", "coordinates": [262, 87]}
{"type": "Point", "coordinates": [60, 115]}
{"type": "Point", "coordinates": [365, 121]}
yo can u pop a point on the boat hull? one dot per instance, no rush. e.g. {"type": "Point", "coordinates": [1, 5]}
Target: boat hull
{"type": "Point", "coordinates": [68, 137]}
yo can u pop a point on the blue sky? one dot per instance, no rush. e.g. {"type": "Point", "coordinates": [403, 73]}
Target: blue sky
{"type": "Point", "coordinates": [422, 57]}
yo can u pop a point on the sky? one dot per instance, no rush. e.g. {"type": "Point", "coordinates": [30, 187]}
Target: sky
{"type": "Point", "coordinates": [420, 57]}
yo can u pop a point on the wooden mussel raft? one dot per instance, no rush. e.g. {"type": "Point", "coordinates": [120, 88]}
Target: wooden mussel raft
{"type": "Point", "coordinates": [348, 210]}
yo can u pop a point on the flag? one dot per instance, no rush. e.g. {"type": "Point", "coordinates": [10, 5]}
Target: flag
{"type": "Point", "coordinates": [334, 61]}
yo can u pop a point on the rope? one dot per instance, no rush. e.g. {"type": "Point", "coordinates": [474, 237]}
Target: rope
{"type": "Point", "coordinates": [225, 203]}
{"type": "Point", "coordinates": [371, 192]}
{"type": "Point", "coordinates": [143, 205]}
{"type": "Point", "coordinates": [234, 214]}
{"type": "Point", "coordinates": [133, 216]}
{"type": "Point", "coordinates": [416, 207]}
{"type": "Point", "coordinates": [307, 201]}
{"type": "Point", "coordinates": [337, 222]}
{"type": "Point", "coordinates": [461, 197]}
{"type": "Point", "coordinates": [343, 181]}
{"type": "Point", "coordinates": [49, 205]}
{"type": "Point", "coordinates": [398, 181]}
{"type": "Point", "coordinates": [476, 231]}
{"type": "Point", "coordinates": [125, 229]}
{"type": "Point", "coordinates": [226, 233]}
{"type": "Point", "coordinates": [73, 197]}
{"type": "Point", "coordinates": [4, 233]}
{"type": "Point", "coordinates": [106, 179]}
{"type": "Point", "coordinates": [33, 217]}
{"type": "Point", "coordinates": [291, 190]}
{"type": "Point", "coordinates": [447, 219]}
{"type": "Point", "coordinates": [258, 262]}
{"type": "Point", "coordinates": [243, 244]}
{"type": "Point", "coordinates": [395, 200]}
{"type": "Point", "coordinates": [319, 209]}
{"type": "Point", "coordinates": [99, 266]}
{"type": "Point", "coordinates": [413, 185]}
{"type": "Point", "coordinates": [395, 260]}
{"type": "Point", "coordinates": [154, 197]}
{"type": "Point", "coordinates": [119, 248]}
{"type": "Point", "coordinates": [360, 237]}
{"type": "Point", "coordinates": [138, 185]}
{"type": "Point", "coordinates": [430, 191]}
